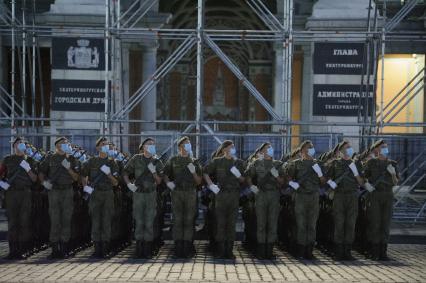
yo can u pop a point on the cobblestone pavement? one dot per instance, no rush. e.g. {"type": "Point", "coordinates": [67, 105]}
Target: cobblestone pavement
{"type": "Point", "coordinates": [408, 265]}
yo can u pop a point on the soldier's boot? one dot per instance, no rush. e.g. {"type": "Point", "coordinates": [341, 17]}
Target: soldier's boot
{"type": "Point", "coordinates": [147, 249]}
{"type": "Point", "coordinates": [98, 250]}
{"type": "Point", "coordinates": [229, 248]}
{"type": "Point", "coordinates": [309, 255]}
{"type": "Point", "coordinates": [106, 249]}
{"type": "Point", "coordinates": [375, 252]}
{"type": "Point", "coordinates": [339, 253]}
{"type": "Point", "coordinates": [178, 252]}
{"type": "Point", "coordinates": [13, 250]}
{"type": "Point", "coordinates": [260, 251]}
{"type": "Point", "coordinates": [300, 251]}
{"type": "Point", "coordinates": [64, 249]}
{"type": "Point", "coordinates": [220, 250]}
{"type": "Point", "coordinates": [188, 249]}
{"type": "Point", "coordinates": [384, 252]}
{"type": "Point", "coordinates": [270, 251]}
{"type": "Point", "coordinates": [139, 249]}
{"type": "Point", "coordinates": [55, 251]}
{"type": "Point", "coordinates": [348, 253]}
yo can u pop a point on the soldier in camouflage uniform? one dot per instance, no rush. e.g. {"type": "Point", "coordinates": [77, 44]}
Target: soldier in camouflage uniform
{"type": "Point", "coordinates": [382, 174]}
{"type": "Point", "coordinates": [182, 174]}
{"type": "Point", "coordinates": [57, 174]}
{"type": "Point", "coordinates": [247, 201]}
{"type": "Point", "coordinates": [345, 180]}
{"type": "Point", "coordinates": [99, 176]}
{"type": "Point", "coordinates": [146, 169]}
{"type": "Point", "coordinates": [226, 170]}
{"type": "Point", "coordinates": [19, 178]}
{"type": "Point", "coordinates": [268, 176]}
{"type": "Point", "coordinates": [305, 179]}
{"type": "Point", "coordinates": [287, 227]}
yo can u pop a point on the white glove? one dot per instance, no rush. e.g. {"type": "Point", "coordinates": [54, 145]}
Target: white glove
{"type": "Point", "coordinates": [274, 172]}
{"type": "Point", "coordinates": [66, 164]}
{"type": "Point", "coordinates": [88, 189]}
{"type": "Point", "coordinates": [171, 185]}
{"type": "Point", "coordinates": [4, 185]}
{"type": "Point", "coordinates": [132, 187]}
{"type": "Point", "coordinates": [235, 171]}
{"type": "Point", "coordinates": [106, 169]}
{"type": "Point", "coordinates": [47, 184]}
{"type": "Point", "coordinates": [317, 170]}
{"type": "Point", "coordinates": [391, 169]}
{"type": "Point", "coordinates": [191, 168]}
{"type": "Point", "coordinates": [332, 184]}
{"type": "Point", "coordinates": [352, 166]}
{"type": "Point", "coordinates": [24, 164]}
{"type": "Point", "coordinates": [214, 188]}
{"type": "Point", "coordinates": [369, 187]}
{"type": "Point", "coordinates": [151, 168]}
{"type": "Point", "coordinates": [294, 185]}
{"type": "Point", "coordinates": [254, 189]}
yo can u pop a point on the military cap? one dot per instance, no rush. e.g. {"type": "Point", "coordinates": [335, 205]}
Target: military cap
{"type": "Point", "coordinates": [262, 146]}
{"type": "Point", "coordinates": [58, 140]}
{"type": "Point", "coordinates": [304, 143]}
{"type": "Point", "coordinates": [342, 144]}
{"type": "Point", "coordinates": [145, 141]}
{"type": "Point", "coordinates": [336, 148]}
{"type": "Point", "coordinates": [377, 144]}
{"type": "Point", "coordinates": [100, 140]}
{"type": "Point", "coordinates": [182, 140]}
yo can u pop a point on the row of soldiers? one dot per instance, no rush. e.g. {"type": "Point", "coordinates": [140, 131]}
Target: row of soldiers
{"type": "Point", "coordinates": [259, 184]}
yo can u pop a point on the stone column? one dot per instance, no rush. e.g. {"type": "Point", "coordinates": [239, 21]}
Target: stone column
{"type": "Point", "coordinates": [149, 103]}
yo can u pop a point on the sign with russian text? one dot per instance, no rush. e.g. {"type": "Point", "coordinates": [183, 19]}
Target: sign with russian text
{"type": "Point", "coordinates": [340, 100]}
{"type": "Point", "coordinates": [78, 95]}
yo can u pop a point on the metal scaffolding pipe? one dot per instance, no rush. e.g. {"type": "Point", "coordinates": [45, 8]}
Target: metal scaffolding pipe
{"type": "Point", "coordinates": [12, 81]}
{"type": "Point", "coordinates": [107, 35]}
{"type": "Point", "coordinates": [234, 69]}
{"type": "Point", "coordinates": [200, 73]}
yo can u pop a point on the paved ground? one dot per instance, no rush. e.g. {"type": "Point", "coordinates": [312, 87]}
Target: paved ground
{"type": "Point", "coordinates": [408, 265]}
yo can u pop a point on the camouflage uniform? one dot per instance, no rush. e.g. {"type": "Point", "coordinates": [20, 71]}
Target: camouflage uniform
{"type": "Point", "coordinates": [61, 196]}
{"type": "Point", "coordinates": [226, 201]}
{"type": "Point", "coordinates": [306, 207]}
{"type": "Point", "coordinates": [18, 204]}
{"type": "Point", "coordinates": [345, 205]}
{"type": "Point", "coordinates": [101, 203]}
{"type": "Point", "coordinates": [184, 201]}
{"type": "Point", "coordinates": [144, 199]}
{"type": "Point", "coordinates": [381, 203]}
{"type": "Point", "coordinates": [267, 202]}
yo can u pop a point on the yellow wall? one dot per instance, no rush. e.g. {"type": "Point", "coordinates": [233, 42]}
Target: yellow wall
{"type": "Point", "coordinates": [399, 70]}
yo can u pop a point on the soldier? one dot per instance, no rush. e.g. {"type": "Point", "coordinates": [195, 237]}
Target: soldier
{"type": "Point", "coordinates": [268, 175]}
{"type": "Point", "coordinates": [382, 174]}
{"type": "Point", "coordinates": [99, 176]}
{"type": "Point", "coordinates": [305, 176]}
{"type": "Point", "coordinates": [57, 174]}
{"type": "Point", "coordinates": [19, 178]}
{"type": "Point", "coordinates": [247, 202]}
{"type": "Point", "coordinates": [345, 180]}
{"type": "Point", "coordinates": [226, 170]}
{"type": "Point", "coordinates": [182, 174]}
{"type": "Point", "coordinates": [146, 169]}
{"type": "Point", "coordinates": [287, 223]}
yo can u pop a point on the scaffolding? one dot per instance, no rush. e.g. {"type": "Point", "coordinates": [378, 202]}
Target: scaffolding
{"type": "Point", "coordinates": [121, 25]}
